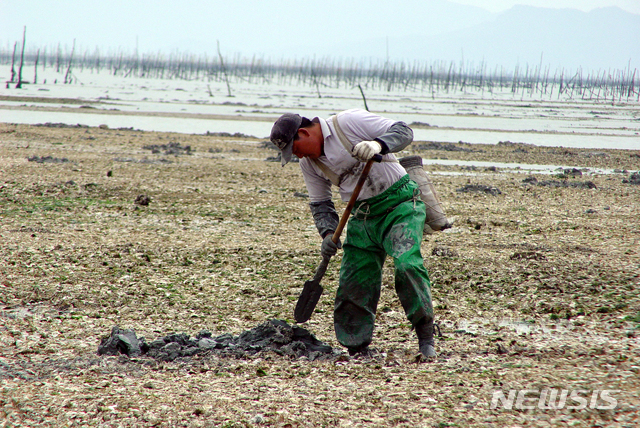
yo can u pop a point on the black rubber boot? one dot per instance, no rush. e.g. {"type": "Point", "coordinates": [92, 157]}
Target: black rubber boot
{"type": "Point", "coordinates": [426, 343]}
{"type": "Point", "coordinates": [359, 351]}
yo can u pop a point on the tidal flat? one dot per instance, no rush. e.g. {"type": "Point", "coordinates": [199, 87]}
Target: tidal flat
{"type": "Point", "coordinates": [536, 287]}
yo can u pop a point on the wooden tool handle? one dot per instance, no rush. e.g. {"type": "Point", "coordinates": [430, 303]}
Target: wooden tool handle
{"type": "Point", "coordinates": [354, 196]}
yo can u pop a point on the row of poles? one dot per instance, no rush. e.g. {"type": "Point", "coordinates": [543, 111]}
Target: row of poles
{"type": "Point", "coordinates": [435, 78]}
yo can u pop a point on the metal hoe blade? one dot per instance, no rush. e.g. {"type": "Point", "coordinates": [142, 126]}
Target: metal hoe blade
{"type": "Point", "coordinates": [307, 301]}
{"type": "Point", "coordinates": [310, 294]}
{"type": "Point", "coordinates": [312, 289]}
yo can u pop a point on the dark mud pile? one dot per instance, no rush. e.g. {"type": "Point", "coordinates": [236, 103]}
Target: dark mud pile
{"type": "Point", "coordinates": [173, 148]}
{"type": "Point", "coordinates": [479, 188]}
{"type": "Point", "coordinates": [277, 158]}
{"type": "Point", "coordinates": [227, 134]}
{"type": "Point", "coordinates": [271, 336]}
{"type": "Point", "coordinates": [47, 159]}
{"type": "Point", "coordinates": [555, 183]}
{"type": "Point", "coordinates": [144, 160]}
{"type": "Point", "coordinates": [60, 125]}
{"type": "Point", "coordinates": [634, 178]}
{"type": "Point", "coordinates": [448, 147]}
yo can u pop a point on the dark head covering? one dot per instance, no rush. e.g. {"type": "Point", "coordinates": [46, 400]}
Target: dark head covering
{"type": "Point", "coordinates": [282, 133]}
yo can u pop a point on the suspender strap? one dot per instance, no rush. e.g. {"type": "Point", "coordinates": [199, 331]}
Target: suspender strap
{"type": "Point", "coordinates": [343, 138]}
{"type": "Point", "coordinates": [333, 177]}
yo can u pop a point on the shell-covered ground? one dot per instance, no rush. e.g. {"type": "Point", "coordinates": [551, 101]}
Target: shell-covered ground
{"type": "Point", "coordinates": [536, 287]}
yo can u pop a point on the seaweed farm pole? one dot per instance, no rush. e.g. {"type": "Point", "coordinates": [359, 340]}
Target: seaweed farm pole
{"type": "Point", "coordinates": [525, 80]}
{"type": "Point", "coordinates": [83, 60]}
{"type": "Point", "coordinates": [615, 85]}
{"type": "Point", "coordinates": [116, 68]}
{"type": "Point", "coordinates": [612, 86]}
{"type": "Point", "coordinates": [514, 83]}
{"type": "Point", "coordinates": [13, 60]}
{"type": "Point", "coordinates": [604, 84]}
{"type": "Point", "coordinates": [482, 79]}
{"type": "Point", "coordinates": [58, 54]}
{"type": "Point", "coordinates": [561, 82]}
{"type": "Point", "coordinates": [596, 85]}
{"type": "Point", "coordinates": [433, 93]}
{"type": "Point", "coordinates": [546, 79]}
{"type": "Point", "coordinates": [491, 79]}
{"type": "Point", "coordinates": [315, 81]}
{"type": "Point", "coordinates": [363, 97]}
{"type": "Point", "coordinates": [573, 83]}
{"type": "Point", "coordinates": [538, 73]}
{"type": "Point", "coordinates": [161, 64]}
{"type": "Point", "coordinates": [97, 60]}
{"type": "Point", "coordinates": [67, 77]}
{"type": "Point", "coordinates": [446, 87]}
{"type": "Point", "coordinates": [587, 86]}
{"type": "Point", "coordinates": [580, 82]}
{"type": "Point", "coordinates": [24, 36]}
{"type": "Point", "coordinates": [621, 85]}
{"type": "Point", "coordinates": [631, 84]}
{"type": "Point", "coordinates": [224, 70]}
{"type": "Point", "coordinates": [35, 69]}
{"type": "Point", "coordinates": [391, 80]}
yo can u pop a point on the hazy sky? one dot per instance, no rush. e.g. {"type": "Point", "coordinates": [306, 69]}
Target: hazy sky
{"type": "Point", "coordinates": [632, 6]}
{"type": "Point", "coordinates": [243, 27]}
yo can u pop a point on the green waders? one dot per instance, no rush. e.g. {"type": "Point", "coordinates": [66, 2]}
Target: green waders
{"type": "Point", "coordinates": [389, 223]}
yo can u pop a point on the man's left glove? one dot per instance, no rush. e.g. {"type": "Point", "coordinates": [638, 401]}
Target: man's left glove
{"type": "Point", "coordinates": [365, 150]}
{"type": "Point", "coordinates": [329, 249]}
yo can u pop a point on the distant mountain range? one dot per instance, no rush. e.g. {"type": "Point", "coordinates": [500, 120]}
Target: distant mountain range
{"type": "Point", "coordinates": [602, 39]}
{"type": "Point", "coordinates": [414, 31]}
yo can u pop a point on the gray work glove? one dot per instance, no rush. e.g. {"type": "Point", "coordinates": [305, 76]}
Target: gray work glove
{"type": "Point", "coordinates": [329, 249]}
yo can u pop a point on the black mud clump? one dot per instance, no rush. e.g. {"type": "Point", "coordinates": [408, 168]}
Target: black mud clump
{"type": "Point", "coordinates": [271, 336]}
{"type": "Point", "coordinates": [633, 179]}
{"type": "Point", "coordinates": [174, 148]}
{"type": "Point", "coordinates": [447, 147]}
{"type": "Point", "coordinates": [47, 159]}
{"type": "Point", "coordinates": [60, 125]}
{"type": "Point", "coordinates": [570, 173]}
{"type": "Point", "coordinates": [480, 188]}
{"type": "Point", "coordinates": [278, 158]}
{"type": "Point", "coordinates": [144, 160]}
{"type": "Point", "coordinates": [443, 252]}
{"type": "Point", "coordinates": [121, 341]}
{"type": "Point", "coordinates": [527, 255]}
{"type": "Point", "coordinates": [556, 183]}
{"type": "Point", "coordinates": [227, 134]}
{"type": "Point", "coordinates": [143, 200]}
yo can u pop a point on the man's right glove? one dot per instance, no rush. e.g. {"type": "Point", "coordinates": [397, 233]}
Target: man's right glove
{"type": "Point", "coordinates": [365, 150]}
{"type": "Point", "coordinates": [329, 249]}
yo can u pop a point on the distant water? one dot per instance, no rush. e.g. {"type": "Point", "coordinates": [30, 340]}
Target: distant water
{"type": "Point", "coordinates": [205, 107]}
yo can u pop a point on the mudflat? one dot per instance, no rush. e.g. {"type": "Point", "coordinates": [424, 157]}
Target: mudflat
{"type": "Point", "coordinates": [536, 287]}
